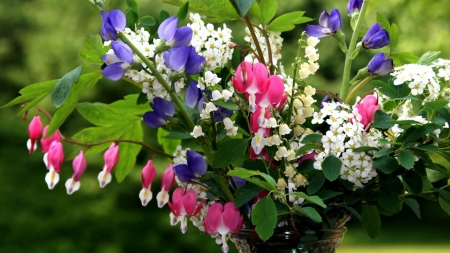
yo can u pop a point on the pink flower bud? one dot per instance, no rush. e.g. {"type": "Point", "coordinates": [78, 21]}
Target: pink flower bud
{"type": "Point", "coordinates": [111, 158]}
{"type": "Point", "coordinates": [54, 158]}
{"type": "Point", "coordinates": [168, 179]}
{"type": "Point", "coordinates": [45, 142]}
{"type": "Point", "coordinates": [184, 204]}
{"type": "Point", "coordinates": [34, 130]}
{"type": "Point", "coordinates": [79, 166]}
{"type": "Point", "coordinates": [148, 175]}
{"type": "Point", "coordinates": [366, 110]}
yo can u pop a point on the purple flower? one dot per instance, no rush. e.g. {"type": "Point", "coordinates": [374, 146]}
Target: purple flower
{"type": "Point", "coordinates": [184, 59]}
{"type": "Point", "coordinates": [161, 109]}
{"type": "Point", "coordinates": [119, 62]}
{"type": "Point", "coordinates": [354, 5]}
{"type": "Point", "coordinates": [376, 37]}
{"type": "Point", "coordinates": [328, 24]}
{"type": "Point", "coordinates": [193, 94]}
{"type": "Point", "coordinates": [380, 65]}
{"type": "Point", "coordinates": [112, 22]}
{"type": "Point", "coordinates": [175, 37]}
{"type": "Point", "coordinates": [196, 167]}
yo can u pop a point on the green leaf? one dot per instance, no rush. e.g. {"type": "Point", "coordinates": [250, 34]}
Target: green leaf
{"type": "Point", "coordinates": [309, 212]}
{"type": "Point", "coordinates": [62, 88]}
{"type": "Point", "coordinates": [418, 133]}
{"type": "Point", "coordinates": [390, 202]}
{"type": "Point", "coordinates": [287, 22]}
{"type": "Point", "coordinates": [414, 205]}
{"type": "Point", "coordinates": [128, 106]}
{"type": "Point", "coordinates": [268, 10]}
{"type": "Point", "coordinates": [371, 220]}
{"type": "Point", "coordinates": [393, 36]}
{"type": "Point", "coordinates": [308, 147]}
{"type": "Point", "coordinates": [213, 10]}
{"type": "Point", "coordinates": [85, 83]}
{"type": "Point", "coordinates": [403, 58]}
{"type": "Point", "coordinates": [380, 118]}
{"type": "Point", "coordinates": [244, 6]}
{"type": "Point", "coordinates": [385, 88]}
{"type": "Point", "coordinates": [413, 180]}
{"type": "Point", "coordinates": [132, 18]}
{"type": "Point", "coordinates": [102, 115]}
{"type": "Point", "coordinates": [31, 92]}
{"type": "Point", "coordinates": [147, 21]}
{"type": "Point", "coordinates": [242, 173]}
{"type": "Point", "coordinates": [262, 184]}
{"type": "Point", "coordinates": [331, 167]}
{"type": "Point", "coordinates": [432, 107]}
{"type": "Point", "coordinates": [94, 135]}
{"type": "Point", "coordinates": [310, 138]}
{"type": "Point", "coordinates": [163, 15]}
{"type": "Point", "coordinates": [183, 11]}
{"type": "Point", "coordinates": [327, 194]}
{"type": "Point", "coordinates": [383, 151]}
{"type": "Point", "coordinates": [32, 103]}
{"type": "Point", "coordinates": [354, 212]}
{"type": "Point", "coordinates": [268, 178]}
{"type": "Point", "coordinates": [434, 175]}
{"type": "Point", "coordinates": [383, 21]}
{"type": "Point", "coordinates": [128, 151]}
{"type": "Point", "coordinates": [178, 135]}
{"type": "Point", "coordinates": [226, 105]}
{"type": "Point", "coordinates": [93, 49]}
{"type": "Point", "coordinates": [365, 148]}
{"type": "Point", "coordinates": [315, 183]}
{"type": "Point", "coordinates": [444, 203]}
{"type": "Point", "coordinates": [313, 199]}
{"type": "Point", "coordinates": [230, 150]}
{"type": "Point", "coordinates": [169, 145]}
{"type": "Point", "coordinates": [246, 193]}
{"type": "Point", "coordinates": [264, 216]}
{"type": "Point", "coordinates": [406, 159]}
{"type": "Point", "coordinates": [386, 164]}
{"type": "Point", "coordinates": [132, 4]}
{"type": "Point", "coordinates": [429, 57]}
{"type": "Point", "coordinates": [255, 11]}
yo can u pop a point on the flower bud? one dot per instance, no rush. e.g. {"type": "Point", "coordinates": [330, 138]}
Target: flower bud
{"type": "Point", "coordinates": [34, 130]}
{"type": "Point", "coordinates": [300, 180]}
{"type": "Point", "coordinates": [281, 184]}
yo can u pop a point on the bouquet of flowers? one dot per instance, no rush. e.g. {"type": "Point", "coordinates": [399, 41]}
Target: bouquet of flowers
{"type": "Point", "coordinates": [250, 145]}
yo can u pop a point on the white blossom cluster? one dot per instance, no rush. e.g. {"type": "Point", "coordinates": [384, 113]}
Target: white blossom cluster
{"type": "Point", "coordinates": [275, 41]}
{"type": "Point", "coordinates": [310, 66]}
{"type": "Point", "coordinates": [343, 137]}
{"type": "Point", "coordinates": [214, 45]}
{"type": "Point", "coordinates": [179, 156]}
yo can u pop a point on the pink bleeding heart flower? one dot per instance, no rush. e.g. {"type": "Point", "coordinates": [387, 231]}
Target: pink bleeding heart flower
{"type": "Point", "coordinates": [366, 110]}
{"type": "Point", "coordinates": [258, 118]}
{"type": "Point", "coordinates": [79, 165]}
{"type": "Point", "coordinates": [34, 130]}
{"type": "Point", "coordinates": [184, 203]}
{"type": "Point", "coordinates": [223, 219]}
{"type": "Point", "coordinates": [111, 158]}
{"type": "Point", "coordinates": [168, 179]}
{"type": "Point", "coordinates": [251, 79]}
{"type": "Point", "coordinates": [54, 159]}
{"type": "Point", "coordinates": [148, 175]}
{"type": "Point", "coordinates": [274, 93]}
{"type": "Point", "coordinates": [45, 142]}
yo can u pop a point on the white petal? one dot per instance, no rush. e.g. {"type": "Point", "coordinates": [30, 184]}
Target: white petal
{"type": "Point", "coordinates": [163, 198]}
{"type": "Point", "coordinates": [145, 195]}
{"type": "Point", "coordinates": [72, 186]}
{"type": "Point", "coordinates": [51, 178]}
{"type": "Point", "coordinates": [104, 178]}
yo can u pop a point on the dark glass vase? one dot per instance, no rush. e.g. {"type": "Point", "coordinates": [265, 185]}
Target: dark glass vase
{"type": "Point", "coordinates": [309, 241]}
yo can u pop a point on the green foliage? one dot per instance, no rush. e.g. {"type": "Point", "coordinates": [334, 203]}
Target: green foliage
{"type": "Point", "coordinates": [428, 58]}
{"type": "Point", "coordinates": [33, 91]}
{"type": "Point", "coordinates": [93, 49]}
{"type": "Point", "coordinates": [230, 150]}
{"type": "Point", "coordinates": [309, 212]}
{"type": "Point", "coordinates": [315, 183]}
{"type": "Point", "coordinates": [246, 193]}
{"type": "Point", "coordinates": [287, 22]}
{"type": "Point", "coordinates": [371, 220]}
{"type": "Point", "coordinates": [183, 11]}
{"type": "Point", "coordinates": [406, 159]}
{"type": "Point", "coordinates": [147, 21]}
{"type": "Point", "coordinates": [331, 167]}
{"type": "Point", "coordinates": [414, 205]}
{"type": "Point", "coordinates": [213, 10]}
{"type": "Point", "coordinates": [264, 217]}
{"type": "Point", "coordinates": [313, 199]}
{"type": "Point", "coordinates": [243, 6]}
{"type": "Point", "coordinates": [268, 9]}
{"type": "Point", "coordinates": [386, 164]}
{"type": "Point", "coordinates": [132, 14]}
{"type": "Point", "coordinates": [169, 145]}
{"type": "Point", "coordinates": [128, 151]}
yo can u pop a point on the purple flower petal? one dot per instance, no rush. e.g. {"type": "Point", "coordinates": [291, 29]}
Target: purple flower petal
{"type": "Point", "coordinates": [109, 59]}
{"type": "Point", "coordinates": [380, 65]}
{"type": "Point", "coordinates": [114, 71]}
{"type": "Point", "coordinates": [354, 5]}
{"type": "Point", "coordinates": [176, 58]}
{"type": "Point", "coordinates": [123, 51]}
{"type": "Point", "coordinates": [317, 31]}
{"type": "Point", "coordinates": [163, 107]}
{"type": "Point", "coordinates": [108, 32]}
{"type": "Point", "coordinates": [154, 120]}
{"type": "Point", "coordinates": [323, 19]}
{"type": "Point", "coordinates": [196, 162]}
{"type": "Point", "coordinates": [182, 37]}
{"type": "Point", "coordinates": [193, 94]}
{"type": "Point", "coordinates": [195, 62]}
{"type": "Point", "coordinates": [372, 30]}
{"type": "Point", "coordinates": [168, 28]}
{"type": "Point", "coordinates": [335, 20]}
{"type": "Point", "coordinates": [184, 173]}
{"type": "Point", "coordinates": [117, 19]}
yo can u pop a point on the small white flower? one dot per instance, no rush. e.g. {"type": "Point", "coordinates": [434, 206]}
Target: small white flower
{"type": "Point", "coordinates": [284, 129]}
{"type": "Point", "coordinates": [197, 132]}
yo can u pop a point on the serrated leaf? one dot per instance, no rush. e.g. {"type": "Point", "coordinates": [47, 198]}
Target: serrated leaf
{"type": "Point", "coordinates": [287, 22]}
{"type": "Point", "coordinates": [85, 83]}
{"type": "Point", "coordinates": [313, 199]}
{"type": "Point", "coordinates": [419, 132]}
{"type": "Point", "coordinates": [268, 10]}
{"type": "Point", "coordinates": [246, 193]}
{"type": "Point", "coordinates": [32, 91]}
{"type": "Point", "coordinates": [128, 151]}
{"type": "Point", "coordinates": [413, 180]}
{"type": "Point", "coordinates": [390, 202]}
{"type": "Point", "coordinates": [213, 10]}
{"type": "Point", "coordinates": [147, 21]}
{"type": "Point", "coordinates": [445, 204]}
{"type": "Point", "coordinates": [380, 119]}
{"type": "Point", "coordinates": [264, 216]}
{"type": "Point", "coordinates": [331, 167]}
{"type": "Point", "coordinates": [371, 220]}
{"type": "Point", "coordinates": [309, 212]}
{"type": "Point", "coordinates": [383, 151]}
{"type": "Point", "coordinates": [429, 57]}
{"type": "Point", "coordinates": [315, 183]}
{"type": "Point", "coordinates": [244, 6]}
{"type": "Point", "coordinates": [169, 145]}
{"type": "Point", "coordinates": [62, 88]}
{"type": "Point", "coordinates": [93, 49]}
{"type": "Point", "coordinates": [101, 114]}
{"type": "Point", "coordinates": [386, 164]}
{"type": "Point", "coordinates": [406, 159]}
{"type": "Point", "coordinates": [230, 150]}
{"type": "Point", "coordinates": [183, 11]}
{"type": "Point", "coordinates": [403, 58]}
{"type": "Point", "coordinates": [434, 175]}
{"type": "Point", "coordinates": [414, 205]}
{"type": "Point", "coordinates": [307, 147]}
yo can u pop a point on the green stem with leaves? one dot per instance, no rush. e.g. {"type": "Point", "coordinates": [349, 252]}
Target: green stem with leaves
{"type": "Point", "coordinates": [255, 39]}
{"type": "Point", "coordinates": [348, 56]}
{"type": "Point", "coordinates": [357, 87]}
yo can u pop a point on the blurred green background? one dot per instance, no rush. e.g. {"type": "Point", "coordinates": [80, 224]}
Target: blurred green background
{"type": "Point", "coordinates": [40, 40]}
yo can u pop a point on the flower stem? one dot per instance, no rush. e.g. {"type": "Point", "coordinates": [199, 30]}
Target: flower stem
{"type": "Point", "coordinates": [357, 87]}
{"type": "Point", "coordinates": [348, 56]}
{"type": "Point", "coordinates": [169, 89]}
{"type": "Point", "coordinates": [255, 39]}
{"type": "Point", "coordinates": [94, 5]}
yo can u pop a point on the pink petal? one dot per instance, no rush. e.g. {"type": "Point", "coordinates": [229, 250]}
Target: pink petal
{"type": "Point", "coordinates": [190, 201]}
{"type": "Point", "coordinates": [231, 216]}
{"type": "Point", "coordinates": [148, 174]}
{"type": "Point", "coordinates": [214, 217]}
{"type": "Point", "coordinates": [177, 198]}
